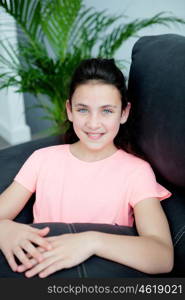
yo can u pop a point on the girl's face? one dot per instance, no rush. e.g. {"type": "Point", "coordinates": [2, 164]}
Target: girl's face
{"type": "Point", "coordinates": [96, 114]}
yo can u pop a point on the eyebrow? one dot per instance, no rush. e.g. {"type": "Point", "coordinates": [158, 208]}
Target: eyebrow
{"type": "Point", "coordinates": [103, 106]}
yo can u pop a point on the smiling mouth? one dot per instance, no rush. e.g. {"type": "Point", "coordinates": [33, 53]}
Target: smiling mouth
{"type": "Point", "coordinates": [94, 136]}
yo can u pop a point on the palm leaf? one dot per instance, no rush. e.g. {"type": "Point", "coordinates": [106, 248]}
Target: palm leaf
{"type": "Point", "coordinates": [11, 54]}
{"type": "Point", "coordinates": [27, 15]}
{"type": "Point", "coordinates": [88, 29]}
{"type": "Point", "coordinates": [114, 40]}
{"type": "Point", "coordinates": [57, 25]}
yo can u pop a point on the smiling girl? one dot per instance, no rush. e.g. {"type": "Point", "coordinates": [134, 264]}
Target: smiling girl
{"type": "Point", "coordinates": [92, 178]}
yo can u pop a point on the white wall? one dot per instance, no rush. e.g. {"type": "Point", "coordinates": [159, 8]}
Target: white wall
{"type": "Point", "coordinates": [13, 127]}
{"type": "Point", "coordinates": [141, 9]}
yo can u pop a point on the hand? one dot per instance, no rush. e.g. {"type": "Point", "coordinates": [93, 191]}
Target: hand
{"type": "Point", "coordinates": [68, 250]}
{"type": "Point", "coordinates": [16, 237]}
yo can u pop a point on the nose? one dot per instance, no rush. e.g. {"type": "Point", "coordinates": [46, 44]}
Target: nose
{"type": "Point", "coordinates": [93, 122]}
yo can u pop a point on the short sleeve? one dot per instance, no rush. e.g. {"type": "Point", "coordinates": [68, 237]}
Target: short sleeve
{"type": "Point", "coordinates": [143, 185]}
{"type": "Point", "coordinates": [28, 174]}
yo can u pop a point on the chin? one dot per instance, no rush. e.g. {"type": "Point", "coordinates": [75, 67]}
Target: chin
{"type": "Point", "coordinates": [93, 146]}
{"type": "Point", "coordinates": [96, 146]}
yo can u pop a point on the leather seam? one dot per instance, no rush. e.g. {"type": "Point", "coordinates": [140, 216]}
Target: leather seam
{"type": "Point", "coordinates": [179, 238]}
{"type": "Point", "coordinates": [180, 232]}
{"type": "Point", "coordinates": [83, 268]}
{"type": "Point", "coordinates": [79, 269]}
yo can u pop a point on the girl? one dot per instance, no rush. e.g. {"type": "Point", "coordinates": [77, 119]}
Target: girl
{"type": "Point", "coordinates": [91, 179]}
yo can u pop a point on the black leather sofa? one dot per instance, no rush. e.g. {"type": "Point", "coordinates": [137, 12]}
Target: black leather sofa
{"type": "Point", "coordinates": [156, 86]}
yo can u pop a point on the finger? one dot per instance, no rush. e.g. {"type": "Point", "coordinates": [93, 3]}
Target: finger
{"type": "Point", "coordinates": [31, 250]}
{"type": "Point", "coordinates": [56, 266]}
{"type": "Point", "coordinates": [22, 268]}
{"type": "Point", "coordinates": [33, 261]}
{"type": "Point", "coordinates": [19, 253]}
{"type": "Point", "coordinates": [11, 260]}
{"type": "Point", "coordinates": [40, 267]}
{"type": "Point", "coordinates": [44, 231]}
{"type": "Point", "coordinates": [41, 250]}
{"type": "Point", "coordinates": [40, 241]}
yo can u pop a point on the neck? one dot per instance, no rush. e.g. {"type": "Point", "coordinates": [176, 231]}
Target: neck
{"type": "Point", "coordinates": [90, 155]}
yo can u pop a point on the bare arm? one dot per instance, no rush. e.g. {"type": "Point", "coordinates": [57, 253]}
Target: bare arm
{"type": "Point", "coordinates": [150, 252]}
{"type": "Point", "coordinates": [15, 237]}
{"type": "Point", "coordinates": [12, 200]}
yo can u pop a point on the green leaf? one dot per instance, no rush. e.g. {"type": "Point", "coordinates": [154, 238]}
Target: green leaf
{"type": "Point", "coordinates": [57, 25]}
{"type": "Point", "coordinates": [112, 42]}
{"type": "Point", "coordinates": [27, 14]}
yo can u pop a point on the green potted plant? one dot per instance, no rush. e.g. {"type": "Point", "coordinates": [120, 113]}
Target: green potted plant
{"type": "Point", "coordinates": [54, 35]}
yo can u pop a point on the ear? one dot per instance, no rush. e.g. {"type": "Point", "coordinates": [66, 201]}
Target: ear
{"type": "Point", "coordinates": [125, 113]}
{"type": "Point", "coordinates": [69, 111]}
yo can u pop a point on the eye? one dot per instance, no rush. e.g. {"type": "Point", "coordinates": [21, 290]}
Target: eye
{"type": "Point", "coordinates": [108, 111]}
{"type": "Point", "coordinates": [82, 110]}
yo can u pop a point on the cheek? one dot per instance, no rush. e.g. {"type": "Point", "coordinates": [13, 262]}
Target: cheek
{"type": "Point", "coordinates": [114, 124]}
{"type": "Point", "coordinates": [77, 123]}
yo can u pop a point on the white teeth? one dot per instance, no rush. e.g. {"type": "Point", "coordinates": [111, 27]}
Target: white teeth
{"type": "Point", "coordinates": [94, 135]}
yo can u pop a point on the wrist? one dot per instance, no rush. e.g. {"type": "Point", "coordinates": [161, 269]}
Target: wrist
{"type": "Point", "coordinates": [93, 238]}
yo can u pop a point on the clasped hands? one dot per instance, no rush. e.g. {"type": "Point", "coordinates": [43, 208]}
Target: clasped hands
{"type": "Point", "coordinates": [67, 250]}
{"type": "Point", "coordinates": [42, 255]}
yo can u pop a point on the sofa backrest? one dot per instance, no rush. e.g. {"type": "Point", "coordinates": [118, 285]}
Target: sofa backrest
{"type": "Point", "coordinates": [157, 92]}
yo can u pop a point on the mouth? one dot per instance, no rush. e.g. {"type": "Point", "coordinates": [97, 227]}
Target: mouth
{"type": "Point", "coordinates": [94, 136]}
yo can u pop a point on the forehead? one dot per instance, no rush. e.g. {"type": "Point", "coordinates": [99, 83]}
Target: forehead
{"type": "Point", "coordinates": [96, 94]}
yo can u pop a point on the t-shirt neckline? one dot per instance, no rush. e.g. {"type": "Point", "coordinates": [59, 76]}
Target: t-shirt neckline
{"type": "Point", "coordinates": [91, 162]}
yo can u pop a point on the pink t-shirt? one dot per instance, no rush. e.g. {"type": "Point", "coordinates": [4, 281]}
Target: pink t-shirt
{"type": "Point", "coordinates": [74, 191]}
